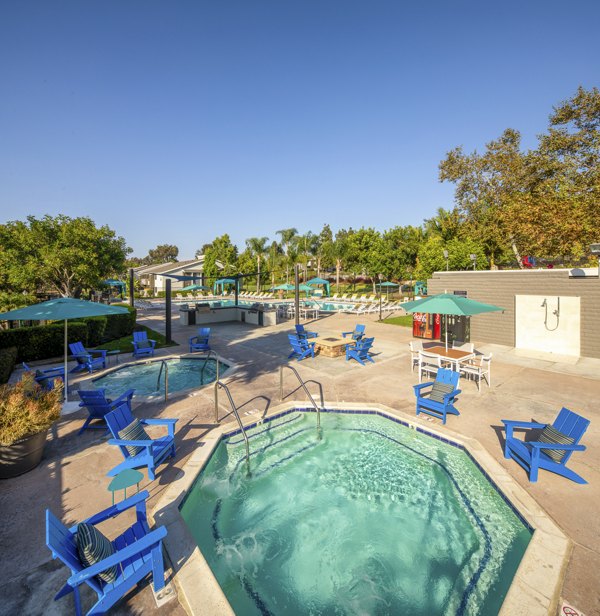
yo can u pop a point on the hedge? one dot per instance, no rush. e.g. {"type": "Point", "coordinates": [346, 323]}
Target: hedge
{"type": "Point", "coordinates": [45, 341]}
{"type": "Point", "coordinates": [8, 358]}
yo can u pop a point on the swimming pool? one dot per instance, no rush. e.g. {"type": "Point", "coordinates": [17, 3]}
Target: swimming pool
{"type": "Point", "coordinates": [374, 518]}
{"type": "Point", "coordinates": [184, 373]}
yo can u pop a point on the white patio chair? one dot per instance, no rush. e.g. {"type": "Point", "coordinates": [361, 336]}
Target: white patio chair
{"type": "Point", "coordinates": [463, 346]}
{"type": "Point", "coordinates": [478, 368]}
{"type": "Point", "coordinates": [429, 363]}
{"type": "Point", "coordinates": [415, 347]}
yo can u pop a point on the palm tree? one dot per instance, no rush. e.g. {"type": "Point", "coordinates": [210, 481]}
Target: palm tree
{"type": "Point", "coordinates": [256, 245]}
{"type": "Point", "coordinates": [287, 235]}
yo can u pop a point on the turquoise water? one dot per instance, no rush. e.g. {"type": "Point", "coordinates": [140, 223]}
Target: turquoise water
{"type": "Point", "coordinates": [372, 519]}
{"type": "Point", "coordinates": [183, 374]}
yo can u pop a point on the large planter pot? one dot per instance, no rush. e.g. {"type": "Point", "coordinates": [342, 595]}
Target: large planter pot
{"type": "Point", "coordinates": [22, 456]}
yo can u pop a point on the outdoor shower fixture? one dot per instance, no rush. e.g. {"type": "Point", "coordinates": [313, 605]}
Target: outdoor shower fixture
{"type": "Point", "coordinates": [556, 313]}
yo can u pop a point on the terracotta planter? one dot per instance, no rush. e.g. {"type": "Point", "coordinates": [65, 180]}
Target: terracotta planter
{"type": "Point", "coordinates": [22, 456]}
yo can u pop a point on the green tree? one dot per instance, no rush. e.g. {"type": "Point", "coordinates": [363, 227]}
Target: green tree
{"type": "Point", "coordinates": [365, 254]}
{"type": "Point", "coordinates": [400, 249]}
{"type": "Point", "coordinates": [287, 241]}
{"type": "Point", "coordinates": [163, 253]}
{"type": "Point", "coordinates": [431, 256]}
{"type": "Point", "coordinates": [220, 251]}
{"type": "Point", "coordinates": [340, 253]}
{"type": "Point", "coordinates": [60, 254]}
{"type": "Point", "coordinates": [258, 248]}
{"type": "Point", "coordinates": [324, 249]}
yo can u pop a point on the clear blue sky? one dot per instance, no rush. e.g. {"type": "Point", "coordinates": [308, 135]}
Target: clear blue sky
{"type": "Point", "coordinates": [175, 122]}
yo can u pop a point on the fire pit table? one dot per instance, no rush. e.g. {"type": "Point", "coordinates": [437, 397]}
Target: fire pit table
{"type": "Point", "coordinates": [331, 346]}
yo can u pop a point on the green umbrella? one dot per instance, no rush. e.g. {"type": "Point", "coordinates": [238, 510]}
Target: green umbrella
{"type": "Point", "coordinates": [387, 285]}
{"type": "Point", "coordinates": [195, 287]}
{"type": "Point", "coordinates": [449, 304]}
{"type": "Point", "coordinates": [62, 309]}
{"type": "Point", "coordinates": [283, 287]}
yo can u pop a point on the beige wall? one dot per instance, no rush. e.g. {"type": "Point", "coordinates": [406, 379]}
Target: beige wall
{"type": "Point", "coordinates": [501, 287]}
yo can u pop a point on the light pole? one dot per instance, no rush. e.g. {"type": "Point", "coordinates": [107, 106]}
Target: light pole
{"type": "Point", "coordinates": [474, 259]}
{"type": "Point", "coordinates": [446, 257]}
{"type": "Point", "coordinates": [595, 249]}
{"type": "Point", "coordinates": [380, 300]}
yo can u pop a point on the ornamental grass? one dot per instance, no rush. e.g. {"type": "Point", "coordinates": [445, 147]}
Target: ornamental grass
{"type": "Point", "coordinates": [26, 409]}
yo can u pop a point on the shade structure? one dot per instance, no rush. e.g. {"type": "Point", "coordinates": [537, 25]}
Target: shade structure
{"type": "Point", "coordinates": [320, 281]}
{"type": "Point", "coordinates": [449, 304]}
{"type": "Point", "coordinates": [222, 282]}
{"type": "Point", "coordinates": [62, 309]}
{"type": "Point", "coordinates": [283, 287]}
{"type": "Point", "coordinates": [195, 287]}
{"type": "Point", "coordinates": [112, 282]}
{"type": "Point", "coordinates": [305, 288]}
{"type": "Point", "coordinates": [387, 286]}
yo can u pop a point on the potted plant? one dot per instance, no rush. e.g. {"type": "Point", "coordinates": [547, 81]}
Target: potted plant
{"type": "Point", "coordinates": [27, 411]}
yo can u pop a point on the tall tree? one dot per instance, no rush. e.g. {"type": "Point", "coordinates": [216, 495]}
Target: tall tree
{"type": "Point", "coordinates": [222, 251]}
{"type": "Point", "coordinates": [365, 254]}
{"type": "Point", "coordinates": [60, 254]}
{"type": "Point", "coordinates": [340, 252]}
{"type": "Point", "coordinates": [163, 253]}
{"type": "Point", "coordinates": [258, 248]}
{"type": "Point", "coordinates": [287, 237]}
{"type": "Point", "coordinates": [324, 249]}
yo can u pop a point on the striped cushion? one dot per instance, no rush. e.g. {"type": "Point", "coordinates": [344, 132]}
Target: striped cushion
{"type": "Point", "coordinates": [134, 432]}
{"type": "Point", "coordinates": [439, 390]}
{"type": "Point", "coordinates": [92, 547]}
{"type": "Point", "coordinates": [553, 436]}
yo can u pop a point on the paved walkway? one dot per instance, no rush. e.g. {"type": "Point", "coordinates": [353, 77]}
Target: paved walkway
{"type": "Point", "coordinates": [71, 479]}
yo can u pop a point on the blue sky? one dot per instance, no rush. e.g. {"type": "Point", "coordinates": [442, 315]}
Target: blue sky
{"type": "Point", "coordinates": [175, 122]}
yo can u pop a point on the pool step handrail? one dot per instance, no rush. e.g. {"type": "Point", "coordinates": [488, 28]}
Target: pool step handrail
{"type": "Point", "coordinates": [303, 385]}
{"type": "Point", "coordinates": [208, 356]}
{"type": "Point", "coordinates": [163, 364]}
{"type": "Point", "coordinates": [221, 385]}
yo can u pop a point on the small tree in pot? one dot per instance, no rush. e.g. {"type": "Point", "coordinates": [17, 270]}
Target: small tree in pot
{"type": "Point", "coordinates": [26, 413]}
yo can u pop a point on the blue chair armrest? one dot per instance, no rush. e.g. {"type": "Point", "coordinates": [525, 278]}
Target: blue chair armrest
{"type": "Point", "coordinates": [451, 394]}
{"type": "Point", "coordinates": [114, 510]}
{"type": "Point", "coordinates": [145, 543]}
{"type": "Point", "coordinates": [539, 445]}
{"type": "Point", "coordinates": [101, 352]}
{"type": "Point", "coordinates": [522, 424]}
{"type": "Point", "coordinates": [49, 371]}
{"type": "Point", "coordinates": [126, 396]}
{"type": "Point", "coordinates": [122, 442]}
{"type": "Point", "coordinates": [158, 422]}
{"type": "Point", "coordinates": [344, 334]}
{"type": "Point", "coordinates": [421, 385]}
{"type": "Point", "coordinates": [83, 355]}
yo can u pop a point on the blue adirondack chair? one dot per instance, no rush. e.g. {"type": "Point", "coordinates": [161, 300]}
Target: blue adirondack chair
{"type": "Point", "coordinates": [437, 398]}
{"type": "Point", "coordinates": [98, 405]}
{"type": "Point", "coordinates": [200, 341]}
{"type": "Point", "coordinates": [87, 360]}
{"type": "Point", "coordinates": [138, 553]}
{"type": "Point", "coordinates": [357, 333]}
{"type": "Point", "coordinates": [532, 455]}
{"type": "Point", "coordinates": [153, 452]}
{"type": "Point", "coordinates": [45, 378]}
{"type": "Point", "coordinates": [301, 347]}
{"type": "Point", "coordinates": [302, 333]}
{"type": "Point", "coordinates": [360, 351]}
{"type": "Point", "coordinates": [142, 345]}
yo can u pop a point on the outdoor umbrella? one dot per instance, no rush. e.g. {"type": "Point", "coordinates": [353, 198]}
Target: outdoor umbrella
{"type": "Point", "coordinates": [319, 281]}
{"type": "Point", "coordinates": [387, 286]}
{"type": "Point", "coordinates": [62, 309]}
{"type": "Point", "coordinates": [195, 287]}
{"type": "Point", "coordinates": [449, 304]}
{"type": "Point", "coordinates": [283, 287]}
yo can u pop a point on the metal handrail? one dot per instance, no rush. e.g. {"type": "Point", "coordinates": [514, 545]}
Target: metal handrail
{"type": "Point", "coordinates": [303, 384]}
{"type": "Point", "coordinates": [208, 355]}
{"type": "Point", "coordinates": [163, 364]}
{"type": "Point", "coordinates": [219, 384]}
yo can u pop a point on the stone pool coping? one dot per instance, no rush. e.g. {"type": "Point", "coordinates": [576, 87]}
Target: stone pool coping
{"type": "Point", "coordinates": [181, 393]}
{"type": "Point", "coordinates": [535, 588]}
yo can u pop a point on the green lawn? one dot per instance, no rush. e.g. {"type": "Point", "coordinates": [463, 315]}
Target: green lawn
{"type": "Point", "coordinates": [124, 344]}
{"type": "Point", "coordinates": [404, 321]}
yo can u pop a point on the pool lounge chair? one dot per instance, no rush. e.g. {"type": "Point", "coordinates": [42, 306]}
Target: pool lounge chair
{"type": "Point", "coordinates": [98, 405]}
{"type": "Point", "coordinates": [87, 360]}
{"type": "Point", "coordinates": [437, 398]}
{"type": "Point", "coordinates": [142, 451]}
{"type": "Point", "coordinates": [552, 448]}
{"type": "Point", "coordinates": [133, 555]}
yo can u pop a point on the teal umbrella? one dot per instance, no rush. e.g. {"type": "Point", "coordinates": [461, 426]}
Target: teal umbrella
{"type": "Point", "coordinates": [387, 285]}
{"type": "Point", "coordinates": [449, 304]}
{"type": "Point", "coordinates": [195, 287]}
{"type": "Point", "coordinates": [320, 281]}
{"type": "Point", "coordinates": [305, 288]}
{"type": "Point", "coordinates": [62, 309]}
{"type": "Point", "coordinates": [283, 287]}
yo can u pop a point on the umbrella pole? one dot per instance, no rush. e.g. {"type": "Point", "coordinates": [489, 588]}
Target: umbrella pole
{"type": "Point", "coordinates": [446, 322]}
{"type": "Point", "coordinates": [66, 377]}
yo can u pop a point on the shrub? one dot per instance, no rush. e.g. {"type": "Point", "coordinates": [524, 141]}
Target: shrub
{"type": "Point", "coordinates": [8, 358]}
{"type": "Point", "coordinates": [27, 409]}
{"type": "Point", "coordinates": [42, 341]}
{"type": "Point", "coordinates": [96, 328]}
{"type": "Point", "coordinates": [120, 325]}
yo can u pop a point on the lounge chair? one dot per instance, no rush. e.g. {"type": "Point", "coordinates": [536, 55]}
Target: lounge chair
{"type": "Point", "coordinates": [98, 405]}
{"type": "Point", "coordinates": [344, 296]}
{"type": "Point", "coordinates": [335, 296]}
{"type": "Point", "coordinates": [301, 348]}
{"type": "Point", "coordinates": [415, 346]}
{"type": "Point", "coordinates": [360, 351]}
{"type": "Point", "coordinates": [357, 333]}
{"type": "Point", "coordinates": [141, 450]}
{"type": "Point", "coordinates": [552, 448]}
{"type": "Point", "coordinates": [133, 555]}
{"type": "Point", "coordinates": [303, 333]}
{"type": "Point", "coordinates": [46, 378]}
{"type": "Point", "coordinates": [437, 398]}
{"type": "Point", "coordinates": [429, 363]}
{"type": "Point", "coordinates": [142, 345]}
{"type": "Point", "coordinates": [87, 360]}
{"type": "Point", "coordinates": [479, 368]}
{"type": "Point", "coordinates": [200, 341]}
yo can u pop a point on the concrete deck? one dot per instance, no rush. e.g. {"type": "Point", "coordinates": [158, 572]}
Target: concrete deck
{"type": "Point", "coordinates": [72, 477]}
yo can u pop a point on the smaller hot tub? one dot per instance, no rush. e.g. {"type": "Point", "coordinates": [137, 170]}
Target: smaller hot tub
{"type": "Point", "coordinates": [148, 380]}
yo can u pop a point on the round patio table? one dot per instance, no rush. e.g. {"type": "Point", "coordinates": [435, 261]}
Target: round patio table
{"type": "Point", "coordinates": [125, 479]}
